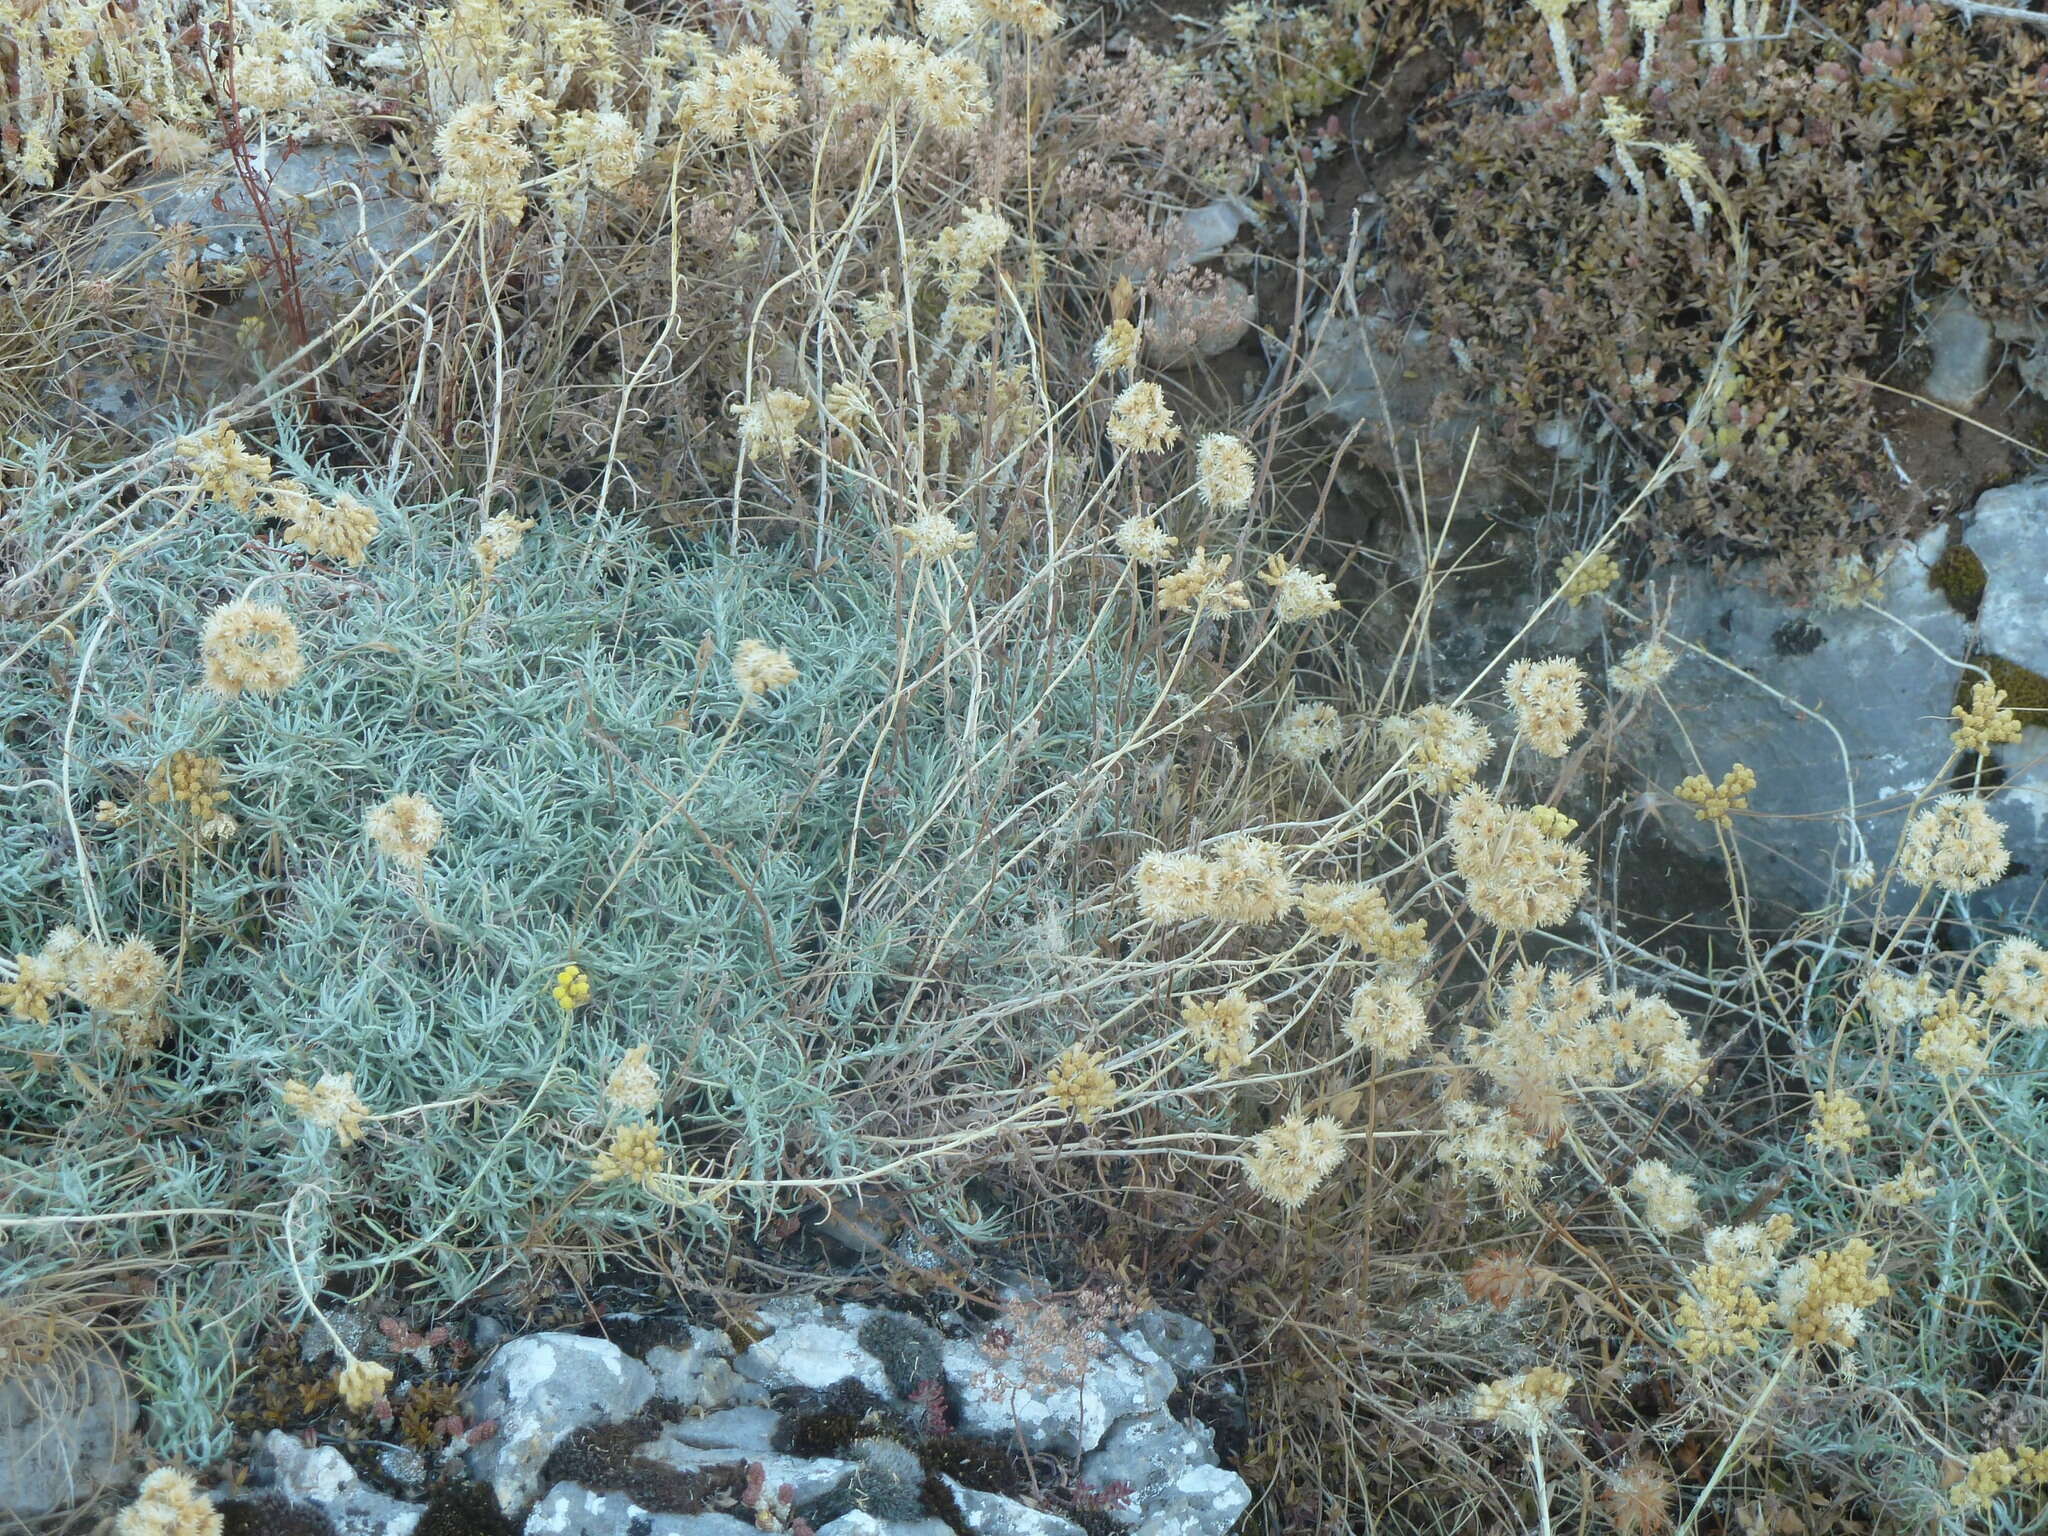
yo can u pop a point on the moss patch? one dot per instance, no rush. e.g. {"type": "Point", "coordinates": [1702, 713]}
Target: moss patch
{"type": "Point", "coordinates": [1959, 576]}
{"type": "Point", "coordinates": [2026, 691]}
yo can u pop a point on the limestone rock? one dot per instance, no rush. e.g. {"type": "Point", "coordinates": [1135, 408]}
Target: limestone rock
{"type": "Point", "coordinates": [992, 1514]}
{"type": "Point", "coordinates": [64, 1435]}
{"type": "Point", "coordinates": [815, 1355]}
{"type": "Point", "coordinates": [1176, 1488]}
{"type": "Point", "coordinates": [542, 1389]}
{"type": "Point", "coordinates": [570, 1509]}
{"type": "Point", "coordinates": [321, 1476]}
{"type": "Point", "coordinates": [998, 1399]}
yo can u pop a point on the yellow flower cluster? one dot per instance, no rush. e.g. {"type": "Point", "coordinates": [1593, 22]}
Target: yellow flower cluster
{"type": "Point", "coordinates": [1713, 801]}
{"type": "Point", "coordinates": [406, 829]}
{"type": "Point", "coordinates": [1721, 1315]}
{"type": "Point", "coordinates": [1141, 539]}
{"type": "Point", "coordinates": [932, 536]}
{"type": "Point", "coordinates": [1117, 347]}
{"type": "Point", "coordinates": [1308, 732]}
{"type": "Point", "coordinates": [330, 1103]}
{"type": "Point", "coordinates": [771, 425]}
{"type": "Point", "coordinates": [1986, 722]}
{"type": "Point", "coordinates": [38, 981]}
{"type": "Point", "coordinates": [194, 781]}
{"type": "Point", "coordinates": [361, 1382]}
{"type": "Point", "coordinates": [1953, 1041]}
{"type": "Point", "coordinates": [1822, 1296]}
{"type": "Point", "coordinates": [1224, 472]}
{"type": "Point", "coordinates": [1838, 1123]}
{"type": "Point", "coordinates": [483, 163]}
{"type": "Point", "coordinates": [498, 541]}
{"type": "Point", "coordinates": [1140, 421]}
{"type": "Point", "coordinates": [635, 1152]}
{"type": "Point", "coordinates": [742, 95]}
{"type": "Point", "coordinates": [572, 988]}
{"type": "Point", "coordinates": [1988, 1475]}
{"type": "Point", "coordinates": [225, 470]}
{"type": "Point", "coordinates": [1204, 586]}
{"type": "Point", "coordinates": [1484, 1142]}
{"type": "Point", "coordinates": [1357, 912]}
{"type": "Point", "coordinates": [1586, 573]}
{"type": "Point", "coordinates": [759, 668]}
{"type": "Point", "coordinates": [634, 1088]}
{"type": "Point", "coordinates": [340, 529]}
{"type": "Point", "coordinates": [1915, 1183]}
{"type": "Point", "coordinates": [1080, 1084]}
{"type": "Point", "coordinates": [1670, 1203]}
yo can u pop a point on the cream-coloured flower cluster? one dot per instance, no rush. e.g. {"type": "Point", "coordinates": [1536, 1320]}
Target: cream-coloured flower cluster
{"type": "Point", "coordinates": [123, 983]}
{"type": "Point", "coordinates": [226, 471]}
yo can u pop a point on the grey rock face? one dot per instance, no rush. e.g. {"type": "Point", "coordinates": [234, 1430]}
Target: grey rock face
{"type": "Point", "coordinates": [999, 1400]}
{"type": "Point", "coordinates": [2008, 531]}
{"type": "Point", "coordinates": [1176, 1488]}
{"type": "Point", "coordinates": [730, 1429]}
{"type": "Point", "coordinates": [64, 1435]}
{"type": "Point", "coordinates": [542, 1389]}
{"type": "Point", "coordinates": [815, 1355]}
{"type": "Point", "coordinates": [349, 211]}
{"type": "Point", "coordinates": [700, 1375]}
{"type": "Point", "coordinates": [806, 1480]}
{"type": "Point", "coordinates": [570, 1509]}
{"type": "Point", "coordinates": [860, 1523]}
{"type": "Point", "coordinates": [1178, 1339]}
{"type": "Point", "coordinates": [991, 1514]}
{"type": "Point", "coordinates": [1832, 710]}
{"type": "Point", "coordinates": [1961, 343]}
{"type": "Point", "coordinates": [321, 1477]}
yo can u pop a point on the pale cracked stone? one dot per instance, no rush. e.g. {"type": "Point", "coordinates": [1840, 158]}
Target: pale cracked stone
{"type": "Point", "coordinates": [321, 1477]}
{"type": "Point", "coordinates": [570, 1509]}
{"type": "Point", "coordinates": [541, 1390]}
{"type": "Point", "coordinates": [992, 1514]}
{"type": "Point", "coordinates": [814, 1355]}
{"type": "Point", "coordinates": [998, 1399]}
{"type": "Point", "coordinates": [1176, 1488]}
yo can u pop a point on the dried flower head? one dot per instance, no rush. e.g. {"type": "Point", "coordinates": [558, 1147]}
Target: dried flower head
{"type": "Point", "coordinates": [1642, 667]}
{"type": "Point", "coordinates": [1639, 1497]}
{"type": "Point", "coordinates": [1288, 1162]}
{"type": "Point", "coordinates": [1954, 844]}
{"type": "Point", "coordinates": [360, 1383]}
{"type": "Point", "coordinates": [1248, 880]}
{"type": "Point", "coordinates": [1517, 877]}
{"type": "Point", "coordinates": [1357, 912]}
{"type": "Point", "coordinates": [338, 530]}
{"type": "Point", "coordinates": [1895, 1000]}
{"type": "Point", "coordinates": [634, 1152]}
{"type": "Point", "coordinates": [1586, 573]}
{"type": "Point", "coordinates": [932, 536]}
{"type": "Point", "coordinates": [225, 470]}
{"type": "Point", "coordinates": [1171, 887]}
{"type": "Point", "coordinates": [1529, 1404]}
{"type": "Point", "coordinates": [1139, 421]}
{"type": "Point", "coordinates": [634, 1088]}
{"type": "Point", "coordinates": [1445, 746]}
{"type": "Point", "coordinates": [1713, 802]}
{"type": "Point", "coordinates": [1080, 1084]}
{"type": "Point", "coordinates": [597, 149]}
{"type": "Point", "coordinates": [1551, 822]}
{"type": "Point", "coordinates": [1306, 733]}
{"type": "Point", "coordinates": [759, 668]}
{"type": "Point", "coordinates": [331, 1104]}
{"type": "Point", "coordinates": [250, 648]}
{"type": "Point", "coordinates": [1387, 1015]}
{"type": "Point", "coordinates": [1838, 1123]}
{"type": "Point", "coordinates": [1547, 703]}
{"type": "Point", "coordinates": [744, 95]}
{"type": "Point", "coordinates": [1143, 540]}
{"type": "Point", "coordinates": [1299, 594]}
{"type": "Point", "coordinates": [499, 540]}
{"type": "Point", "coordinates": [1915, 1183]}
{"type": "Point", "coordinates": [169, 1503]}
{"type": "Point", "coordinates": [406, 829]}
{"type": "Point", "coordinates": [2015, 985]}
{"type": "Point", "coordinates": [1116, 348]}
{"type": "Point", "coordinates": [191, 780]}
{"type": "Point", "coordinates": [948, 93]}
{"type": "Point", "coordinates": [126, 979]}
{"type": "Point", "coordinates": [1670, 1203]}
{"type": "Point", "coordinates": [1203, 586]}
{"type": "Point", "coordinates": [1750, 1251]}
{"type": "Point", "coordinates": [1953, 1042]}
{"type": "Point", "coordinates": [1483, 1143]}
{"type": "Point", "coordinates": [38, 982]}
{"type": "Point", "coordinates": [772, 425]}
{"type": "Point", "coordinates": [1224, 472]}
{"type": "Point", "coordinates": [1223, 1029]}
{"type": "Point", "coordinates": [483, 163]}
{"type": "Point", "coordinates": [1503, 1280]}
